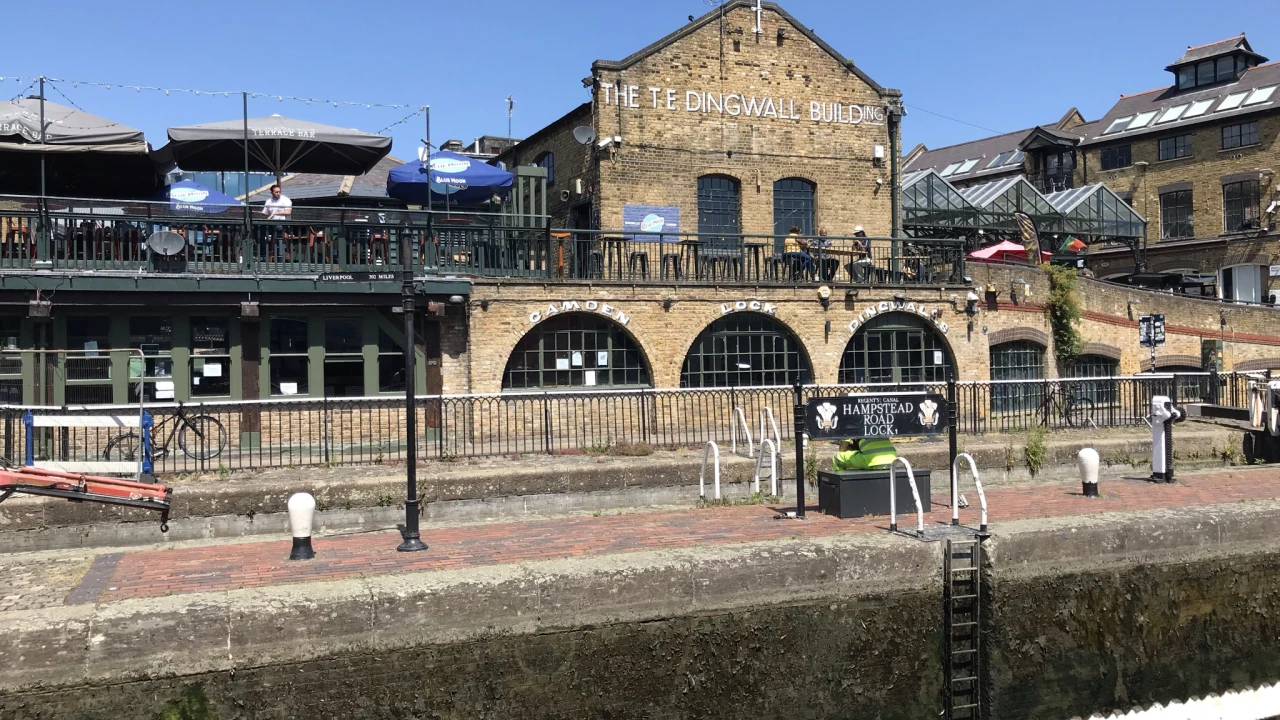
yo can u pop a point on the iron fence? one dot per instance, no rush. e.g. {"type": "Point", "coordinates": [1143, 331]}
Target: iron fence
{"type": "Point", "coordinates": [229, 436]}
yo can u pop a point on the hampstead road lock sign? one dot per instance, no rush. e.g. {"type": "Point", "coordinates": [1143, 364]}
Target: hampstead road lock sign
{"type": "Point", "coordinates": [876, 416]}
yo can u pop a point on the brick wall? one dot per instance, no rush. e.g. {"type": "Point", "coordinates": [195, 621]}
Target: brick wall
{"type": "Point", "coordinates": [664, 151]}
{"type": "Point", "coordinates": [665, 335]}
{"type": "Point", "coordinates": [573, 161]}
{"type": "Point", "coordinates": [1204, 169]}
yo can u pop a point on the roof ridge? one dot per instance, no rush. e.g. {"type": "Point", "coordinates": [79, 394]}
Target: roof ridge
{"type": "Point", "coordinates": [1146, 92]}
{"type": "Point", "coordinates": [1215, 42]}
{"type": "Point", "coordinates": [982, 139]}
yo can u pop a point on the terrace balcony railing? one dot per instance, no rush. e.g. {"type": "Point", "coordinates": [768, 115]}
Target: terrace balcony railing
{"type": "Point", "coordinates": [72, 234]}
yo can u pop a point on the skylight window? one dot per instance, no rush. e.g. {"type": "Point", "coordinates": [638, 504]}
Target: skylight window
{"type": "Point", "coordinates": [948, 170]}
{"type": "Point", "coordinates": [1260, 95]}
{"type": "Point", "coordinates": [1142, 120]}
{"type": "Point", "coordinates": [1198, 108]}
{"type": "Point", "coordinates": [999, 160]}
{"type": "Point", "coordinates": [1172, 114]}
{"type": "Point", "coordinates": [1232, 102]}
{"type": "Point", "coordinates": [967, 166]}
{"type": "Point", "coordinates": [1016, 159]}
{"type": "Point", "coordinates": [1118, 125]}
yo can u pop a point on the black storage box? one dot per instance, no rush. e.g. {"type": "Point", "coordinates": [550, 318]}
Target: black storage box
{"type": "Point", "coordinates": [866, 492]}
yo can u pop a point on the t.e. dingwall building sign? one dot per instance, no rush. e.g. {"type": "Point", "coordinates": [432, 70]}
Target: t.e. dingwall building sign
{"type": "Point", "coordinates": [817, 110]}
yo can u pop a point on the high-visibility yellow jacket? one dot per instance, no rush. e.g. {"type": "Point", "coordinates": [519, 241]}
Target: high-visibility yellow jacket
{"type": "Point", "coordinates": [871, 455]}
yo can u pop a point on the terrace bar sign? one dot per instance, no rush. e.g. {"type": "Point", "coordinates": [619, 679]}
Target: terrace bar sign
{"type": "Point", "coordinates": [873, 415]}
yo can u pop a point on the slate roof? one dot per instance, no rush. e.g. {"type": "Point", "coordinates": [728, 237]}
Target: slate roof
{"type": "Point", "coordinates": [313, 186]}
{"type": "Point", "coordinates": [985, 148]}
{"type": "Point", "coordinates": [1214, 49]}
{"type": "Point", "coordinates": [1161, 99]}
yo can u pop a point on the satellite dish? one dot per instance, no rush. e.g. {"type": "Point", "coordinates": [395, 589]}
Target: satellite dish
{"type": "Point", "coordinates": [166, 243]}
{"type": "Point", "coordinates": [584, 135]}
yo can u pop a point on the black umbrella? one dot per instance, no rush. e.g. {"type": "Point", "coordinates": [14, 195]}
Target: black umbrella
{"type": "Point", "coordinates": [86, 154]}
{"type": "Point", "coordinates": [277, 145]}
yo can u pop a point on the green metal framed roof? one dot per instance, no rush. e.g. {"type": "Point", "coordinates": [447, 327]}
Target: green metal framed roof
{"type": "Point", "coordinates": [928, 199]}
{"type": "Point", "coordinates": [1097, 211]}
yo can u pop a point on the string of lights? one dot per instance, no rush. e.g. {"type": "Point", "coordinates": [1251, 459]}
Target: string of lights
{"type": "Point", "coordinates": [403, 120]}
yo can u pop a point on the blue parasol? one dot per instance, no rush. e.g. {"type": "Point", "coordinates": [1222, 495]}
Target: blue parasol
{"type": "Point", "coordinates": [447, 177]}
{"type": "Point", "coordinates": [194, 197]}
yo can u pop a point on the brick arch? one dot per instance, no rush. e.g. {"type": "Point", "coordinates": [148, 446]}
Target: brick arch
{"type": "Point", "coordinates": [714, 313]}
{"type": "Point", "coordinates": [1179, 360]}
{"type": "Point", "coordinates": [947, 347]}
{"type": "Point", "coordinates": [1008, 335]}
{"type": "Point", "coordinates": [797, 174]}
{"type": "Point", "coordinates": [511, 339]}
{"type": "Point", "coordinates": [1101, 349]}
{"type": "Point", "coordinates": [1253, 365]}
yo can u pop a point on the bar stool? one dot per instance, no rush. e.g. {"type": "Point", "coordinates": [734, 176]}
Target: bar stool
{"type": "Point", "coordinates": [638, 259]}
{"type": "Point", "coordinates": [672, 261]}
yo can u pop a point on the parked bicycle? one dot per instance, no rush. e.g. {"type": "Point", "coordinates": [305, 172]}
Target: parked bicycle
{"type": "Point", "coordinates": [201, 437]}
{"type": "Point", "coordinates": [1075, 410]}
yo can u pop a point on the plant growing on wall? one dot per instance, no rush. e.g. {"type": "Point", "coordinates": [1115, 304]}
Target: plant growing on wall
{"type": "Point", "coordinates": [1063, 311]}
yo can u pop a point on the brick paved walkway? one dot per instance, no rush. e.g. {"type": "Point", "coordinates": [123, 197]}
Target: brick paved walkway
{"type": "Point", "coordinates": [149, 573]}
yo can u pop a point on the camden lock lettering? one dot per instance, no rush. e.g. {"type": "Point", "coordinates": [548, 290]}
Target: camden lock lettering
{"type": "Point", "coordinates": [749, 306]}
{"type": "Point", "coordinates": [871, 311]}
{"type": "Point", "coordinates": [876, 416]}
{"type": "Point", "coordinates": [740, 105]}
{"type": "Point", "coordinates": [593, 306]}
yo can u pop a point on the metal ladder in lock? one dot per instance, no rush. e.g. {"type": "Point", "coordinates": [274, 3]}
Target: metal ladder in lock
{"type": "Point", "coordinates": [963, 618]}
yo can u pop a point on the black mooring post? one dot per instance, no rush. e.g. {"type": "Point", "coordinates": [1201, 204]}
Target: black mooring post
{"type": "Point", "coordinates": [799, 431]}
{"type": "Point", "coordinates": [951, 432]}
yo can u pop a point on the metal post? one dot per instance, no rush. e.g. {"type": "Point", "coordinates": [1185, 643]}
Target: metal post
{"type": "Point", "coordinates": [412, 542]}
{"type": "Point", "coordinates": [248, 245]}
{"type": "Point", "coordinates": [799, 432]}
{"type": "Point", "coordinates": [894, 118]}
{"type": "Point", "coordinates": [951, 419]}
{"type": "Point", "coordinates": [43, 139]}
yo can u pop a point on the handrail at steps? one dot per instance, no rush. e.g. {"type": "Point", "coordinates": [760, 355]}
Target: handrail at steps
{"type": "Point", "coordinates": [893, 496]}
{"type": "Point", "coordinates": [955, 490]}
{"type": "Point", "coordinates": [767, 444]}
{"type": "Point", "coordinates": [740, 418]}
{"type": "Point", "coordinates": [773, 425]}
{"type": "Point", "coordinates": [709, 450]}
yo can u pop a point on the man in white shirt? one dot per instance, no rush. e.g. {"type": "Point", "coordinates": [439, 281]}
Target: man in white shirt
{"type": "Point", "coordinates": [278, 207]}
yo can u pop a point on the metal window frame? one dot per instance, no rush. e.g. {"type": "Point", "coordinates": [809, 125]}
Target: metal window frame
{"type": "Point", "coordinates": [569, 326]}
{"type": "Point", "coordinates": [785, 356]}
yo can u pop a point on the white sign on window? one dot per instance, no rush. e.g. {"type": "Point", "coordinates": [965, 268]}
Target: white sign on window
{"type": "Point", "coordinates": [577, 359]}
{"type": "Point", "coordinates": [91, 348]}
{"type": "Point", "coordinates": [589, 377]}
{"type": "Point", "coordinates": [602, 358]}
{"type": "Point", "coordinates": [1275, 271]}
{"type": "Point", "coordinates": [562, 363]}
{"type": "Point", "coordinates": [289, 388]}
{"type": "Point", "coordinates": [164, 390]}
{"type": "Point", "coordinates": [937, 357]}
{"type": "Point", "coordinates": [212, 369]}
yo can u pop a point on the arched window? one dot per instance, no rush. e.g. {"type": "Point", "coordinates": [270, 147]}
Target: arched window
{"type": "Point", "coordinates": [1193, 383]}
{"type": "Point", "coordinates": [793, 206]}
{"type": "Point", "coordinates": [1017, 360]}
{"type": "Point", "coordinates": [575, 350]}
{"type": "Point", "coordinates": [1095, 366]}
{"type": "Point", "coordinates": [547, 161]}
{"type": "Point", "coordinates": [895, 347]}
{"type": "Point", "coordinates": [744, 349]}
{"type": "Point", "coordinates": [718, 202]}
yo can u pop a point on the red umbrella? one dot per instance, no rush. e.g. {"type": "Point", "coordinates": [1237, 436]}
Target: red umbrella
{"type": "Point", "coordinates": [1005, 251]}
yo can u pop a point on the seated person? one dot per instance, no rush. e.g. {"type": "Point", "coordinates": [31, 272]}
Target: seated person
{"type": "Point", "coordinates": [873, 454]}
{"type": "Point", "coordinates": [828, 263]}
{"type": "Point", "coordinates": [795, 251]}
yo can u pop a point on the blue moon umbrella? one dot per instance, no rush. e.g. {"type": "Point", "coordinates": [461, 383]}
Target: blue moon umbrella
{"type": "Point", "coordinates": [447, 176]}
{"type": "Point", "coordinates": [194, 197]}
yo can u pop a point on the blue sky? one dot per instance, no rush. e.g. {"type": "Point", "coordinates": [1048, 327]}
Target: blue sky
{"type": "Point", "coordinates": [998, 65]}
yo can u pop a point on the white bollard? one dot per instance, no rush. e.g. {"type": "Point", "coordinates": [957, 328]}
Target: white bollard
{"type": "Point", "coordinates": [302, 510]}
{"type": "Point", "coordinates": [1087, 460]}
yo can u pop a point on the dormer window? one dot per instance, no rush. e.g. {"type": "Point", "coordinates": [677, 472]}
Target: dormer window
{"type": "Point", "coordinates": [1216, 63]}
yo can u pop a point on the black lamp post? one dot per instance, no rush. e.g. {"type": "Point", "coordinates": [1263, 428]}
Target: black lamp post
{"type": "Point", "coordinates": [412, 542]}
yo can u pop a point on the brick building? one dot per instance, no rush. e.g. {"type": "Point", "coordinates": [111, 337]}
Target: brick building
{"type": "Point", "coordinates": [1196, 159]}
{"type": "Point", "coordinates": [739, 122]}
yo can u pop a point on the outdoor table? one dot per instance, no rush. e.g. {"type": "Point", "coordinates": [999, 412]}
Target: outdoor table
{"type": "Point", "coordinates": [752, 252]}
{"type": "Point", "coordinates": [613, 249]}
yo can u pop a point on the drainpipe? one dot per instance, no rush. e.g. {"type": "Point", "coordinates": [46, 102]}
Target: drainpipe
{"type": "Point", "coordinates": [893, 113]}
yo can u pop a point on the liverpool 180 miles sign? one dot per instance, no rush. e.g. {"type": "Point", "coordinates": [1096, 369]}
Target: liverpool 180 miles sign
{"type": "Point", "coordinates": [875, 416]}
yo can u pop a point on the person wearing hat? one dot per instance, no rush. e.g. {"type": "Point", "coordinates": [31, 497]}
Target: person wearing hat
{"type": "Point", "coordinates": [860, 269]}
{"type": "Point", "coordinates": [869, 454]}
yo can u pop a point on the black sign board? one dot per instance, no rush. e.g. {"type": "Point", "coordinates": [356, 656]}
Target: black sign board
{"type": "Point", "coordinates": [876, 416]}
{"type": "Point", "coordinates": [1151, 330]}
{"type": "Point", "coordinates": [358, 277]}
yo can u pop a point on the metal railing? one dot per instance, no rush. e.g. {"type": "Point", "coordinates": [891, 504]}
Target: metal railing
{"type": "Point", "coordinates": [349, 431]}
{"type": "Point", "coordinates": [74, 234]}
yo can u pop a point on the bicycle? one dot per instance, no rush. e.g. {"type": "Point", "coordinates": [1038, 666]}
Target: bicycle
{"type": "Point", "coordinates": [201, 437]}
{"type": "Point", "coordinates": [1076, 410]}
